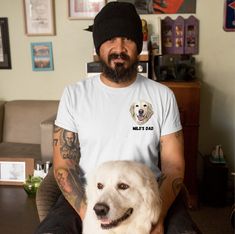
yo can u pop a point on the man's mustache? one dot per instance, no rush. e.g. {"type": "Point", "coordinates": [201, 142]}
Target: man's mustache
{"type": "Point", "coordinates": [122, 55]}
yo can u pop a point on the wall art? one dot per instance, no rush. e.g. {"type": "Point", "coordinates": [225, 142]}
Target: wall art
{"type": "Point", "coordinates": [5, 55]}
{"type": "Point", "coordinates": [163, 6]}
{"type": "Point", "coordinates": [39, 17]}
{"type": "Point", "coordinates": [84, 9]}
{"type": "Point", "coordinates": [42, 59]}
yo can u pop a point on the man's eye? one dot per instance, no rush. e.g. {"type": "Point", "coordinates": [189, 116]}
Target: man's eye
{"type": "Point", "coordinates": [123, 186]}
{"type": "Point", "coordinates": [100, 186]}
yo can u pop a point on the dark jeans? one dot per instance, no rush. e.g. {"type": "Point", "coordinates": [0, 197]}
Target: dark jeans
{"type": "Point", "coordinates": [62, 219]}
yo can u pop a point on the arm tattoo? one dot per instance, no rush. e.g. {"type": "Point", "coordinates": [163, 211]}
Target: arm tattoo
{"type": "Point", "coordinates": [177, 184]}
{"type": "Point", "coordinates": [71, 186]}
{"type": "Point", "coordinates": [69, 145]}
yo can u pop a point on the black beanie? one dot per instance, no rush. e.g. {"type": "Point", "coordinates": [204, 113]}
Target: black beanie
{"type": "Point", "coordinates": [117, 19]}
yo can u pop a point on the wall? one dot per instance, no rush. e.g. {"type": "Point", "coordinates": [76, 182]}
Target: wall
{"type": "Point", "coordinates": [73, 47]}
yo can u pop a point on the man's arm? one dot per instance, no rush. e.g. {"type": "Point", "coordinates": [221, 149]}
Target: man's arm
{"type": "Point", "coordinates": [66, 167]}
{"type": "Point", "coordinates": [172, 167]}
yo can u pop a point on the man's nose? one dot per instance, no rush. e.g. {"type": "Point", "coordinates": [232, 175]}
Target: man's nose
{"type": "Point", "coordinates": [120, 45]}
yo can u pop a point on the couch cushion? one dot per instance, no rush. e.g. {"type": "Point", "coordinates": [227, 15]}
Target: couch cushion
{"type": "Point", "coordinates": [22, 150]}
{"type": "Point", "coordinates": [18, 150]}
{"type": "Point", "coordinates": [22, 120]}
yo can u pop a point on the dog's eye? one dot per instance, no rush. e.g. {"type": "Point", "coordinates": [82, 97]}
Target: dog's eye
{"type": "Point", "coordinates": [136, 105]}
{"type": "Point", "coordinates": [145, 105]}
{"type": "Point", "coordinates": [100, 186]}
{"type": "Point", "coordinates": [123, 186]}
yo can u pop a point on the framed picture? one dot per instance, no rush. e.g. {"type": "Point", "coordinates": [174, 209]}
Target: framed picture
{"type": "Point", "coordinates": [229, 15]}
{"type": "Point", "coordinates": [39, 17]}
{"type": "Point", "coordinates": [84, 9]}
{"type": "Point", "coordinates": [5, 56]}
{"type": "Point", "coordinates": [14, 171]}
{"type": "Point", "coordinates": [42, 59]}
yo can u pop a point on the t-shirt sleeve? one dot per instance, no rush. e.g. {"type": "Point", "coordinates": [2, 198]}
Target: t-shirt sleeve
{"type": "Point", "coordinates": [65, 114]}
{"type": "Point", "coordinates": [171, 121]}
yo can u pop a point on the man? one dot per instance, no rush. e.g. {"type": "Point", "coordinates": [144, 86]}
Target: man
{"type": "Point", "coordinates": [117, 115]}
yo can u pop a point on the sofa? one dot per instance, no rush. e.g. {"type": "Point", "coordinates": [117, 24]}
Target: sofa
{"type": "Point", "coordinates": [26, 128]}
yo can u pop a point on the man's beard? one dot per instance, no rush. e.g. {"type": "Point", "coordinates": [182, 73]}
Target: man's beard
{"type": "Point", "coordinates": [119, 73]}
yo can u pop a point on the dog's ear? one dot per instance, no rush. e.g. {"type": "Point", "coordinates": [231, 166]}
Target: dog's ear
{"type": "Point", "coordinates": [149, 111]}
{"type": "Point", "coordinates": [132, 110]}
{"type": "Point", "coordinates": [152, 199]}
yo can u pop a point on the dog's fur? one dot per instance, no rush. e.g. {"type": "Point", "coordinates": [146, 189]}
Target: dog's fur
{"type": "Point", "coordinates": [122, 198]}
{"type": "Point", "coordinates": [141, 112]}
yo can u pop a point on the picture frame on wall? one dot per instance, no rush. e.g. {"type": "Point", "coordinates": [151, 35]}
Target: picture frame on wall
{"type": "Point", "coordinates": [39, 17]}
{"type": "Point", "coordinates": [229, 16]}
{"type": "Point", "coordinates": [5, 55]}
{"type": "Point", "coordinates": [84, 9]}
{"type": "Point", "coordinates": [42, 58]}
{"type": "Point", "coordinates": [14, 171]}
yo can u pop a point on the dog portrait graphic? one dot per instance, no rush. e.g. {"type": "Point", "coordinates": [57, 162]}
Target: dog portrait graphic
{"type": "Point", "coordinates": [141, 112]}
{"type": "Point", "coordinates": [122, 198]}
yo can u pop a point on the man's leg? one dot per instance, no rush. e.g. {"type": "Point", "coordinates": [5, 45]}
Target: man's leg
{"type": "Point", "coordinates": [178, 220]}
{"type": "Point", "coordinates": [62, 219]}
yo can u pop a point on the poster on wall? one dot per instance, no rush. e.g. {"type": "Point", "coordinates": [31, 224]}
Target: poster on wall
{"type": "Point", "coordinates": [163, 6]}
{"type": "Point", "coordinates": [42, 59]}
{"type": "Point", "coordinates": [229, 15]}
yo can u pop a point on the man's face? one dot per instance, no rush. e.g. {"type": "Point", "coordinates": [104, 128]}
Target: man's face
{"type": "Point", "coordinates": [69, 138]}
{"type": "Point", "coordinates": [119, 59]}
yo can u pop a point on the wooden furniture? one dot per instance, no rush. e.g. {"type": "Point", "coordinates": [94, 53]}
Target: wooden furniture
{"type": "Point", "coordinates": [18, 213]}
{"type": "Point", "coordinates": [188, 98]}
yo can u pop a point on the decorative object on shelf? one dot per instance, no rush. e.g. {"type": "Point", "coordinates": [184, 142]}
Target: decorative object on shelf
{"type": "Point", "coordinates": [191, 35]}
{"type": "Point", "coordinates": [42, 59]}
{"type": "Point", "coordinates": [180, 36]}
{"type": "Point", "coordinates": [156, 39]}
{"type": "Point", "coordinates": [39, 17]}
{"type": "Point", "coordinates": [167, 35]}
{"type": "Point", "coordinates": [14, 171]}
{"type": "Point", "coordinates": [164, 6]}
{"type": "Point", "coordinates": [174, 68]}
{"type": "Point", "coordinates": [5, 55]}
{"type": "Point", "coordinates": [217, 155]}
{"type": "Point", "coordinates": [84, 9]}
{"type": "Point", "coordinates": [32, 184]}
{"type": "Point", "coordinates": [42, 169]}
{"type": "Point", "coordinates": [229, 15]}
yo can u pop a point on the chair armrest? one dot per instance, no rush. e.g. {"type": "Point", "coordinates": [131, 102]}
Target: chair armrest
{"type": "Point", "coordinates": [1, 119]}
{"type": "Point", "coordinates": [47, 127]}
{"type": "Point", "coordinates": [47, 195]}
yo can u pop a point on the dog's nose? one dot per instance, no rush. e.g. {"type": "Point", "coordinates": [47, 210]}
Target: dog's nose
{"type": "Point", "coordinates": [141, 111]}
{"type": "Point", "coordinates": [101, 209]}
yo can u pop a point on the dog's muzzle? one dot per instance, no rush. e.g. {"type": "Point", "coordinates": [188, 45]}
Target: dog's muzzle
{"type": "Point", "coordinates": [140, 115]}
{"type": "Point", "coordinates": [102, 210]}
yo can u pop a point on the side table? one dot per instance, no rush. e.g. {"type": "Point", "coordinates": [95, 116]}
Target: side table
{"type": "Point", "coordinates": [18, 212]}
{"type": "Point", "coordinates": [214, 184]}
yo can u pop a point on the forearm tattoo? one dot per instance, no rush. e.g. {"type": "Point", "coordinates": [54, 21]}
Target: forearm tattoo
{"type": "Point", "coordinates": [177, 184]}
{"type": "Point", "coordinates": [71, 186]}
{"type": "Point", "coordinates": [68, 178]}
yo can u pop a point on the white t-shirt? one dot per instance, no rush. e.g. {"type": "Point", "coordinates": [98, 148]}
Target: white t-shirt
{"type": "Point", "coordinates": [118, 123]}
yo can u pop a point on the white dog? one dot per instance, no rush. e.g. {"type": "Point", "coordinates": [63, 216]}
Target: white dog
{"type": "Point", "coordinates": [141, 112]}
{"type": "Point", "coordinates": [122, 198]}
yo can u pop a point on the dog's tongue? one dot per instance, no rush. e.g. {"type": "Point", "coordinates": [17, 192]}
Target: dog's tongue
{"type": "Point", "coordinates": [105, 221]}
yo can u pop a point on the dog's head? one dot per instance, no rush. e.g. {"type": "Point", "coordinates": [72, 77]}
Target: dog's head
{"type": "Point", "coordinates": [123, 193]}
{"type": "Point", "coordinates": [141, 112]}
